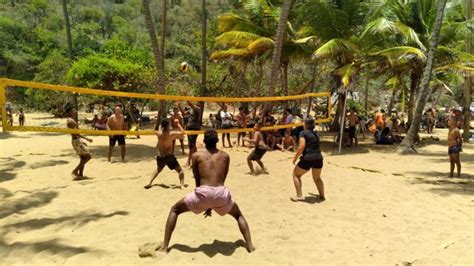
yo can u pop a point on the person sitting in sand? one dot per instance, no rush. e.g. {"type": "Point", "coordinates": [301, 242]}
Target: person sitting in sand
{"type": "Point", "coordinates": [177, 125]}
{"type": "Point", "coordinates": [454, 146]}
{"type": "Point", "coordinates": [166, 152]}
{"type": "Point", "coordinates": [210, 168]}
{"type": "Point", "coordinates": [287, 142]}
{"type": "Point", "coordinates": [311, 159]}
{"type": "Point", "coordinates": [116, 122]}
{"type": "Point", "coordinates": [21, 117]}
{"type": "Point", "coordinates": [79, 146]}
{"type": "Point", "coordinates": [259, 150]}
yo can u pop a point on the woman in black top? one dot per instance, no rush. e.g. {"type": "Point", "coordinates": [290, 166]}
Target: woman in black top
{"type": "Point", "coordinates": [311, 159]}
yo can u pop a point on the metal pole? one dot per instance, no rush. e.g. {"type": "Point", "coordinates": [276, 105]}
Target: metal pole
{"type": "Point", "coordinates": [342, 124]}
{"type": "Point", "coordinates": [3, 104]}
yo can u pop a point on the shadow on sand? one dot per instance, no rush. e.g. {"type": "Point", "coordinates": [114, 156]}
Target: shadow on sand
{"type": "Point", "coordinates": [444, 185]}
{"type": "Point", "coordinates": [216, 247]}
{"type": "Point", "coordinates": [33, 200]}
{"type": "Point", "coordinates": [53, 246]}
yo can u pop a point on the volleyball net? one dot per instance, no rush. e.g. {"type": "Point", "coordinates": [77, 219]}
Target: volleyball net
{"type": "Point", "coordinates": [95, 107]}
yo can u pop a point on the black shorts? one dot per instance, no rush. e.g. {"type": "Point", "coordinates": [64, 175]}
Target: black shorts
{"type": "Point", "coordinates": [352, 132]}
{"type": "Point", "coordinates": [256, 154]}
{"type": "Point", "coordinates": [192, 141]}
{"type": "Point", "coordinates": [455, 149]}
{"type": "Point", "coordinates": [306, 165]}
{"type": "Point", "coordinates": [226, 126]}
{"type": "Point", "coordinates": [167, 160]}
{"type": "Point", "coordinates": [117, 138]}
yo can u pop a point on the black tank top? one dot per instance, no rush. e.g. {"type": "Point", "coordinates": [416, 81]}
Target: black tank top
{"type": "Point", "coordinates": [311, 150]}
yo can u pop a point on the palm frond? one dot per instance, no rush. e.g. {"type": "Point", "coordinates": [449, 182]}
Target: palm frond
{"type": "Point", "coordinates": [237, 39]}
{"type": "Point", "coordinates": [231, 53]}
{"type": "Point", "coordinates": [261, 44]}
{"type": "Point", "coordinates": [346, 73]}
{"type": "Point", "coordinates": [401, 54]}
{"type": "Point", "coordinates": [333, 48]}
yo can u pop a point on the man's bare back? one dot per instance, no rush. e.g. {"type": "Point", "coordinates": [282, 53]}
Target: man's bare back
{"type": "Point", "coordinates": [210, 168]}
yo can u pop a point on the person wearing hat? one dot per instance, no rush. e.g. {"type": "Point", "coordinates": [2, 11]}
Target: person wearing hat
{"type": "Point", "coordinates": [311, 159]}
{"type": "Point", "coordinates": [79, 146]}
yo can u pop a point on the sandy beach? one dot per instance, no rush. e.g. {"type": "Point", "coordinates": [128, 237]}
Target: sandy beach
{"type": "Point", "coordinates": [381, 207]}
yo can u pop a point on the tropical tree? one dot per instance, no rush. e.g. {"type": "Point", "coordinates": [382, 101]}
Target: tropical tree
{"type": "Point", "coordinates": [409, 141]}
{"type": "Point", "coordinates": [157, 53]}
{"type": "Point", "coordinates": [69, 45]}
{"type": "Point", "coordinates": [203, 54]}
{"type": "Point", "coordinates": [275, 66]}
{"type": "Point", "coordinates": [336, 25]}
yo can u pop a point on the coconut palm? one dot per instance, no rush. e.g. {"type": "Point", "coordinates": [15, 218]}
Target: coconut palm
{"type": "Point", "coordinates": [409, 141]}
{"type": "Point", "coordinates": [249, 37]}
{"type": "Point", "coordinates": [69, 46]}
{"type": "Point", "coordinates": [157, 52]}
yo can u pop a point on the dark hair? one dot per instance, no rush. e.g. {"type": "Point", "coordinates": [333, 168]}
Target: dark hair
{"type": "Point", "coordinates": [289, 110]}
{"type": "Point", "coordinates": [309, 123]}
{"type": "Point", "coordinates": [241, 108]}
{"type": "Point", "coordinates": [211, 138]}
{"type": "Point", "coordinates": [164, 123]}
{"type": "Point", "coordinates": [260, 124]}
{"type": "Point", "coordinates": [382, 110]}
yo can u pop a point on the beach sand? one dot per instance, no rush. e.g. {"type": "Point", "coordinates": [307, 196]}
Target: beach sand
{"type": "Point", "coordinates": [381, 207]}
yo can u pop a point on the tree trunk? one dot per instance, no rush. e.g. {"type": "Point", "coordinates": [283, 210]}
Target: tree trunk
{"type": "Point", "coordinates": [258, 91]}
{"type": "Point", "coordinates": [311, 90]}
{"type": "Point", "coordinates": [467, 79]}
{"type": "Point", "coordinates": [415, 80]}
{"type": "Point", "coordinates": [367, 95]}
{"type": "Point", "coordinates": [276, 58]}
{"type": "Point", "coordinates": [70, 50]}
{"type": "Point", "coordinates": [285, 82]}
{"type": "Point", "coordinates": [203, 54]}
{"type": "Point", "coordinates": [156, 54]}
{"type": "Point", "coordinates": [392, 100]}
{"type": "Point", "coordinates": [409, 140]}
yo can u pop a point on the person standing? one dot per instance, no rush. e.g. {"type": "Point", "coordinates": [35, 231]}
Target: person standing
{"type": "Point", "coordinates": [79, 146]}
{"type": "Point", "coordinates": [116, 122]}
{"type": "Point", "coordinates": [166, 157]}
{"type": "Point", "coordinates": [210, 168]}
{"type": "Point", "coordinates": [311, 159]}
{"type": "Point", "coordinates": [176, 120]}
{"type": "Point", "coordinates": [226, 118]}
{"type": "Point", "coordinates": [194, 123]}
{"type": "Point", "coordinates": [454, 146]}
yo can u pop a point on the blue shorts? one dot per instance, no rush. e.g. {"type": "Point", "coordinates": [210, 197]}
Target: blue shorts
{"type": "Point", "coordinates": [454, 149]}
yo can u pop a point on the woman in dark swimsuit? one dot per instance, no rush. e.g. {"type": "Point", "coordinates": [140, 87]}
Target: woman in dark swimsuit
{"type": "Point", "coordinates": [311, 159]}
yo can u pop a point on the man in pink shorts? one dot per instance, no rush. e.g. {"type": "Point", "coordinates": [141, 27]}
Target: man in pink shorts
{"type": "Point", "coordinates": [210, 168]}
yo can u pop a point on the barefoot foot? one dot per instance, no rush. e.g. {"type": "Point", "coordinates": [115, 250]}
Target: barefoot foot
{"type": "Point", "coordinates": [297, 198]}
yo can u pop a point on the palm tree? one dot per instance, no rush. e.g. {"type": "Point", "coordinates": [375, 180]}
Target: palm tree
{"type": "Point", "coordinates": [248, 38]}
{"type": "Point", "coordinates": [159, 60]}
{"type": "Point", "coordinates": [467, 79]}
{"type": "Point", "coordinates": [336, 25]}
{"type": "Point", "coordinates": [69, 46]}
{"type": "Point", "coordinates": [275, 66]}
{"type": "Point", "coordinates": [203, 53]}
{"type": "Point", "coordinates": [409, 141]}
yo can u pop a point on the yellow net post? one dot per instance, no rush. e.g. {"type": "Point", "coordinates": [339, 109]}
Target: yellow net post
{"type": "Point", "coordinates": [3, 104]}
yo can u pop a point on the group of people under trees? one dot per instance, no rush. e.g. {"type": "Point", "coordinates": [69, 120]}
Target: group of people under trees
{"type": "Point", "coordinates": [210, 166]}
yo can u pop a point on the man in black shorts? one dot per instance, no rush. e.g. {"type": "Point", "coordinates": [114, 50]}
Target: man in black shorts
{"type": "Point", "coordinates": [116, 122]}
{"type": "Point", "coordinates": [194, 123]}
{"type": "Point", "coordinates": [311, 159]}
{"type": "Point", "coordinates": [259, 150]}
{"type": "Point", "coordinates": [166, 153]}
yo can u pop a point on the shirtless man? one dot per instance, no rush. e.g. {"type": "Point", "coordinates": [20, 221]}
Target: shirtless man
{"type": "Point", "coordinates": [116, 122]}
{"type": "Point", "coordinates": [454, 146]}
{"type": "Point", "coordinates": [79, 146]}
{"type": "Point", "coordinates": [210, 168]}
{"type": "Point", "coordinates": [166, 156]}
{"type": "Point", "coordinates": [287, 142]}
{"type": "Point", "coordinates": [259, 151]}
{"type": "Point", "coordinates": [242, 123]}
{"type": "Point", "coordinates": [353, 122]}
{"type": "Point", "coordinates": [176, 125]}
